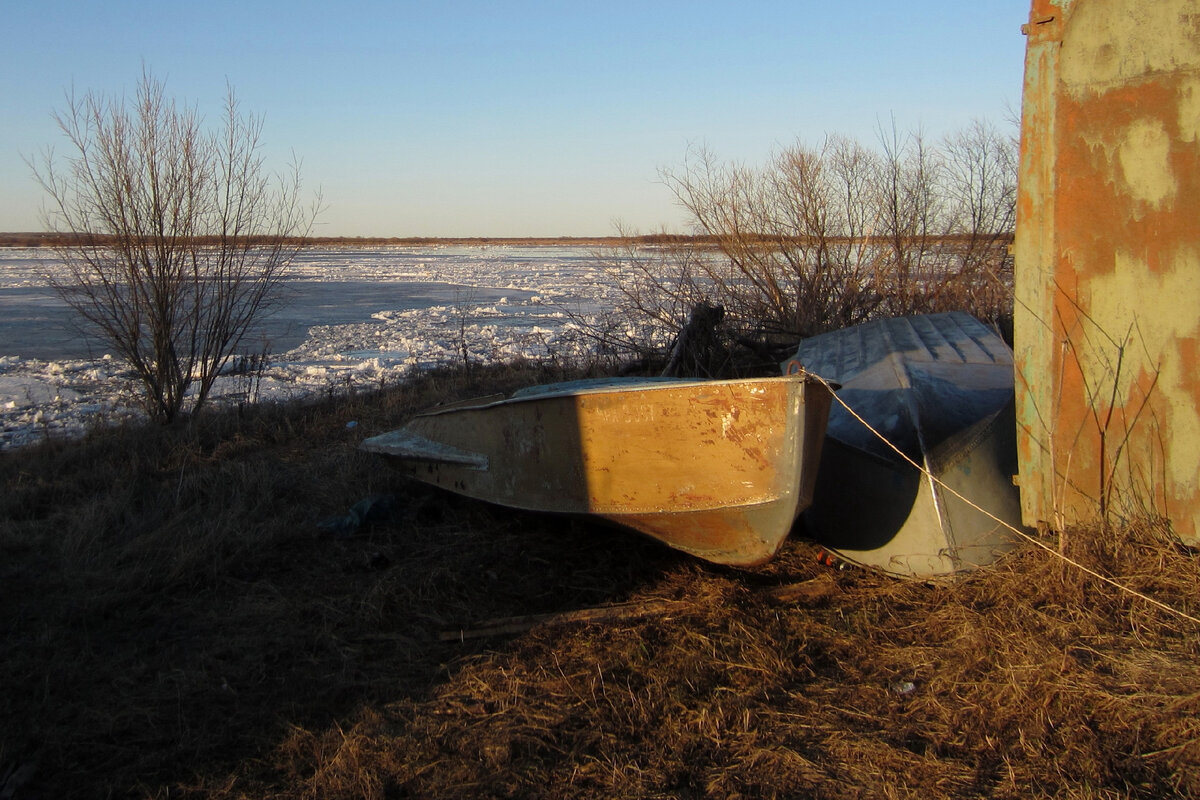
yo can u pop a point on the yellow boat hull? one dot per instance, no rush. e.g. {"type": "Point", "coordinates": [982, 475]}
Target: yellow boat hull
{"type": "Point", "coordinates": [719, 469]}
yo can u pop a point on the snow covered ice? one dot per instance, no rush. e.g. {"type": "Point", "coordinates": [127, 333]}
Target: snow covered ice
{"type": "Point", "coordinates": [357, 316]}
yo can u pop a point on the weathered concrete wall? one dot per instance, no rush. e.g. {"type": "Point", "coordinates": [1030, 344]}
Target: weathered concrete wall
{"type": "Point", "coordinates": [1108, 263]}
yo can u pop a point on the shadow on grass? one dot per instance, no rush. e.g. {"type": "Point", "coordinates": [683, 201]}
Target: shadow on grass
{"type": "Point", "coordinates": [170, 609]}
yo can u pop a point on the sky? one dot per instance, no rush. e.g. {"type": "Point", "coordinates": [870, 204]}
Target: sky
{"type": "Point", "coordinates": [450, 118]}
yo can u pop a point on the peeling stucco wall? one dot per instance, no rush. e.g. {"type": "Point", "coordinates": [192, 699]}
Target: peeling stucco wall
{"type": "Point", "coordinates": [1108, 263]}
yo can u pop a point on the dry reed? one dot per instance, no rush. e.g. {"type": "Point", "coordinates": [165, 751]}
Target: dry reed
{"type": "Point", "coordinates": [175, 624]}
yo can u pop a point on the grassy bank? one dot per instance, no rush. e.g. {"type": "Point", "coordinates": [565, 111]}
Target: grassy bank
{"type": "Point", "coordinates": [175, 622]}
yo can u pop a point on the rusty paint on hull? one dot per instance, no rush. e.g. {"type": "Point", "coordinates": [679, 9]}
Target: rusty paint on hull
{"type": "Point", "coordinates": [1108, 264]}
{"type": "Point", "coordinates": [719, 469]}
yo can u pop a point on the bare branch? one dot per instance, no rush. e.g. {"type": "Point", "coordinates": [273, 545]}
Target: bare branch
{"type": "Point", "coordinates": [829, 236]}
{"type": "Point", "coordinates": [179, 236]}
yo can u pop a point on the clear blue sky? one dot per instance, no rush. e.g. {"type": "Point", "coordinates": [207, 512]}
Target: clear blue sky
{"type": "Point", "coordinates": [512, 118]}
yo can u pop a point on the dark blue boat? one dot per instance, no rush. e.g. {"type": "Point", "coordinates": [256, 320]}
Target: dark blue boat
{"type": "Point", "coordinates": [939, 388]}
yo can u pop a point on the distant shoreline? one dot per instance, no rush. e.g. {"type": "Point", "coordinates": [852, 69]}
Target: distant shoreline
{"type": "Point", "coordinates": [32, 239]}
{"type": "Point", "coordinates": [650, 240]}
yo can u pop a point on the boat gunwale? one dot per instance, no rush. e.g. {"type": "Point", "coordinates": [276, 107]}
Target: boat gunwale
{"type": "Point", "coordinates": [637, 385]}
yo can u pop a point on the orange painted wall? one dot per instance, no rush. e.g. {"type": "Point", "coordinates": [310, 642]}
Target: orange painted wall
{"type": "Point", "coordinates": [1108, 263]}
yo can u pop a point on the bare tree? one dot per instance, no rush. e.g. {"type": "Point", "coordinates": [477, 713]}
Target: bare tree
{"type": "Point", "coordinates": [178, 237]}
{"type": "Point", "coordinates": [825, 237]}
{"type": "Point", "coordinates": [946, 214]}
{"type": "Point", "coordinates": [981, 190]}
{"type": "Point", "coordinates": [911, 220]}
{"type": "Point", "coordinates": [789, 237]}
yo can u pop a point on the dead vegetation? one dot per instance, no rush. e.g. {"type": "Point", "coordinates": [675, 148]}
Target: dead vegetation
{"type": "Point", "coordinates": [822, 237]}
{"type": "Point", "coordinates": [175, 624]}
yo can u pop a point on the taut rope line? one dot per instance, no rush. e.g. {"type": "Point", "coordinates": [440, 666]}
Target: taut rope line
{"type": "Point", "coordinates": [921, 468]}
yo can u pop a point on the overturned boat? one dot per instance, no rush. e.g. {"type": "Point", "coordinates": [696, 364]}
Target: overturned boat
{"type": "Point", "coordinates": [939, 388]}
{"type": "Point", "coordinates": [718, 469]}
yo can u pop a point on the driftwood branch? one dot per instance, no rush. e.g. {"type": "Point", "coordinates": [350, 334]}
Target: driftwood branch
{"type": "Point", "coordinates": [692, 352]}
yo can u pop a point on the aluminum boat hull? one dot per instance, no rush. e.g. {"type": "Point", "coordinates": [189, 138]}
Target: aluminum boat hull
{"type": "Point", "coordinates": [718, 469]}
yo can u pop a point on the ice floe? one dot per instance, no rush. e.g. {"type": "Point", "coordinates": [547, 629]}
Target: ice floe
{"type": "Point", "coordinates": [478, 303]}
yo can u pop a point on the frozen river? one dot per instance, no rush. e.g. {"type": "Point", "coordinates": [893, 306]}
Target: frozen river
{"type": "Point", "coordinates": [36, 324]}
{"type": "Point", "coordinates": [353, 315]}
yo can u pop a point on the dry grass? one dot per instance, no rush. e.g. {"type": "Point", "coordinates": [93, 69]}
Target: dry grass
{"type": "Point", "coordinates": [174, 624]}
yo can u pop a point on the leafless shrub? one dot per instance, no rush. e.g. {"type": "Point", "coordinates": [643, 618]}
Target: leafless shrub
{"type": "Point", "coordinates": [830, 236]}
{"type": "Point", "coordinates": [179, 236]}
{"type": "Point", "coordinates": [790, 238]}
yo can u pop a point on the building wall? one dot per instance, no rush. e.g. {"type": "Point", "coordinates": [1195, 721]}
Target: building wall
{"type": "Point", "coordinates": [1107, 323]}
